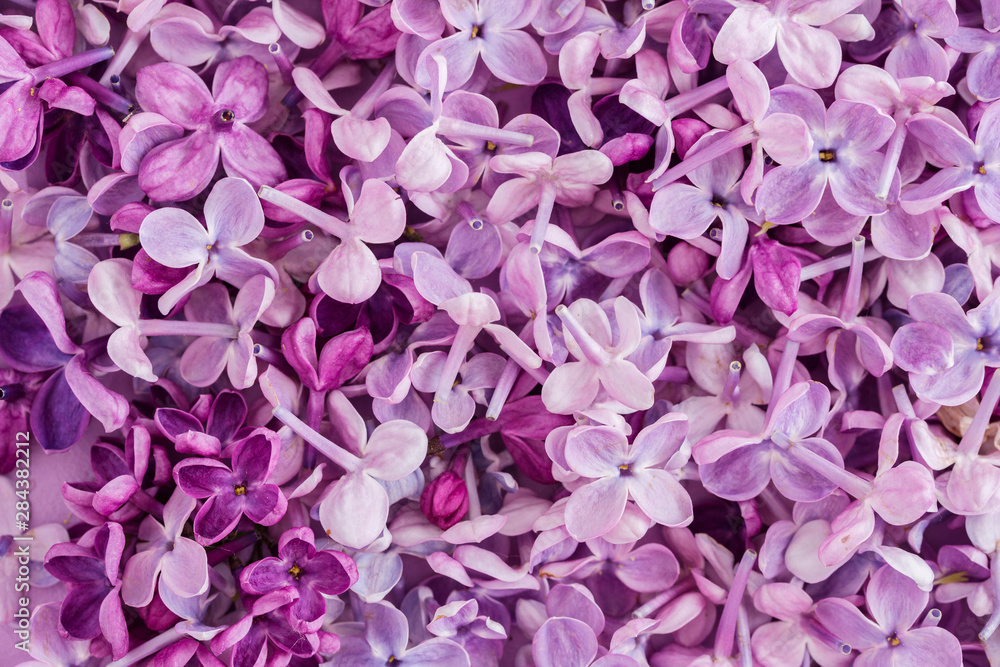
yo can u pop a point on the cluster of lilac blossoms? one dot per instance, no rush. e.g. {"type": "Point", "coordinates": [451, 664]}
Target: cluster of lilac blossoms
{"type": "Point", "coordinates": [500, 333]}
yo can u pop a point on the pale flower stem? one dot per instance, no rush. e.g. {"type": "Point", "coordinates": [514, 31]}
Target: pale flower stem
{"type": "Point", "coordinates": [97, 240]}
{"type": "Point", "coordinates": [994, 621]}
{"type": "Point", "coordinates": [185, 328]}
{"type": "Point", "coordinates": [457, 128]}
{"type": "Point", "coordinates": [284, 65]}
{"type": "Point", "coordinates": [824, 266]}
{"type": "Point", "coordinates": [365, 106]}
{"type": "Point", "coordinates": [130, 44]}
{"type": "Point", "coordinates": [689, 99]}
{"type": "Point", "coordinates": [974, 435]}
{"type": "Point", "coordinates": [332, 451]}
{"type": "Point", "coordinates": [108, 97]}
{"type": "Point", "coordinates": [475, 509]}
{"type": "Point", "coordinates": [725, 635]}
{"type": "Point", "coordinates": [932, 618]}
{"type": "Point", "coordinates": [617, 200]}
{"type": "Point", "coordinates": [743, 637]}
{"type": "Point", "coordinates": [731, 391]}
{"type": "Point", "coordinates": [327, 223]}
{"type": "Point", "coordinates": [734, 140]}
{"type": "Point", "coordinates": [465, 338]}
{"type": "Point", "coordinates": [547, 199]}
{"type": "Point", "coordinates": [143, 651]}
{"type": "Point", "coordinates": [469, 214]}
{"type": "Point", "coordinates": [507, 379]}
{"type": "Point", "coordinates": [852, 293]}
{"type": "Point", "coordinates": [851, 484]}
{"type": "Point", "coordinates": [592, 350]}
{"type": "Point", "coordinates": [315, 409]}
{"type": "Point", "coordinates": [504, 385]}
{"type": "Point", "coordinates": [783, 376]}
{"type": "Point", "coordinates": [285, 246]}
{"type": "Point", "coordinates": [64, 66]}
{"type": "Point", "coordinates": [6, 224]}
{"type": "Point", "coordinates": [656, 603]}
{"type": "Point", "coordinates": [892, 152]}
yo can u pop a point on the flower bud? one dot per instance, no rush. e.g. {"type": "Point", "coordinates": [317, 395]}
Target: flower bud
{"type": "Point", "coordinates": [686, 264]}
{"type": "Point", "coordinates": [445, 500]}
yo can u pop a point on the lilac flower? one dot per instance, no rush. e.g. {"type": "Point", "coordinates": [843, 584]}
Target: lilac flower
{"type": "Point", "coordinates": [22, 250]}
{"type": "Point", "coordinates": [693, 33]}
{"type": "Point", "coordinates": [569, 272]}
{"type": "Point", "coordinates": [385, 642]}
{"type": "Point", "coordinates": [174, 238]}
{"type": "Point", "coordinates": [845, 140]}
{"type": "Point", "coordinates": [178, 562]}
{"type": "Point", "coordinates": [898, 495]}
{"type": "Point", "coordinates": [118, 493]}
{"type": "Point", "coordinates": [617, 40]}
{"type": "Point", "coordinates": [946, 349]}
{"type": "Point", "coordinates": [687, 211]}
{"type": "Point", "coordinates": [351, 273]}
{"type": "Point", "coordinates": [810, 54]}
{"type": "Point", "coordinates": [783, 135]}
{"type": "Point", "coordinates": [895, 602]}
{"type": "Point", "coordinates": [93, 606]}
{"type": "Point", "coordinates": [576, 63]}
{"type": "Point", "coordinates": [569, 180]}
{"type": "Point", "coordinates": [26, 87]}
{"type": "Point", "coordinates": [983, 46]}
{"type": "Point", "coordinates": [908, 31]}
{"type": "Point", "coordinates": [357, 136]}
{"type": "Point", "coordinates": [645, 95]}
{"type": "Point", "coordinates": [265, 633]}
{"type": "Point", "coordinates": [601, 362]}
{"type": "Point", "coordinates": [219, 121]}
{"type": "Point", "coordinates": [38, 341]}
{"type": "Point", "coordinates": [489, 29]}
{"type": "Point", "coordinates": [966, 164]}
{"type": "Point", "coordinates": [186, 36]}
{"type": "Point", "coordinates": [479, 635]}
{"type": "Point", "coordinates": [787, 641]}
{"type": "Point", "coordinates": [300, 566]}
{"type": "Point", "coordinates": [478, 374]}
{"type": "Point", "coordinates": [354, 509]}
{"type": "Point", "coordinates": [340, 359]}
{"type": "Point", "coordinates": [203, 361]}
{"type": "Point", "coordinates": [50, 648]}
{"type": "Point", "coordinates": [221, 428]}
{"type": "Point", "coordinates": [231, 493]}
{"type": "Point", "coordinates": [472, 312]}
{"type": "Point", "coordinates": [568, 641]}
{"type": "Point", "coordinates": [738, 465]}
{"type": "Point", "coordinates": [873, 352]}
{"type": "Point", "coordinates": [640, 472]}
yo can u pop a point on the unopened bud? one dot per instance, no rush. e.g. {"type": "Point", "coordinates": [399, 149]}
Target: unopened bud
{"type": "Point", "coordinates": [445, 500]}
{"type": "Point", "coordinates": [686, 264]}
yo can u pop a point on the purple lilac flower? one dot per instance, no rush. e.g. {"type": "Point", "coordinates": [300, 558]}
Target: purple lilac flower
{"type": "Point", "coordinates": [230, 493]}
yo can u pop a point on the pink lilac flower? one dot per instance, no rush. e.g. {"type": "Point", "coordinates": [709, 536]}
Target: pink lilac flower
{"type": "Point", "coordinates": [488, 29]}
{"type": "Point", "coordinates": [895, 603]}
{"type": "Point", "coordinates": [219, 123]}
